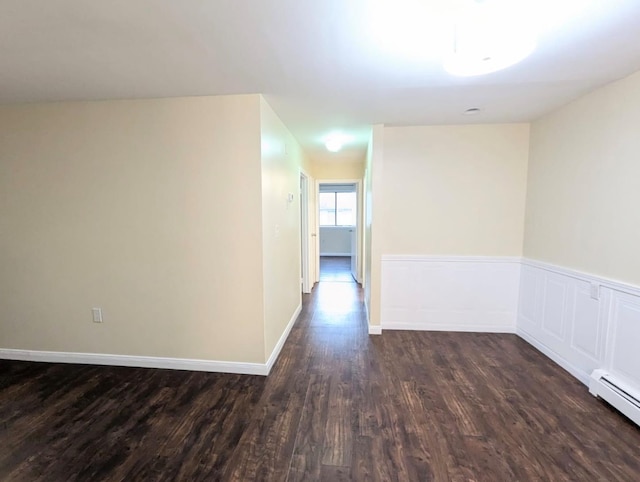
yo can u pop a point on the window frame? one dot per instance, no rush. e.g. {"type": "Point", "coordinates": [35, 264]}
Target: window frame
{"type": "Point", "coordinates": [335, 210]}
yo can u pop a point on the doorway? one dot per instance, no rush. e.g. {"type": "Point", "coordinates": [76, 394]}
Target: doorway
{"type": "Point", "coordinates": [305, 276]}
{"type": "Point", "coordinates": [339, 216]}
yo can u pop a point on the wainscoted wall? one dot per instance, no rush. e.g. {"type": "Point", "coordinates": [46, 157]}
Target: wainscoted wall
{"type": "Point", "coordinates": [582, 322]}
{"type": "Point", "coordinates": [450, 293]}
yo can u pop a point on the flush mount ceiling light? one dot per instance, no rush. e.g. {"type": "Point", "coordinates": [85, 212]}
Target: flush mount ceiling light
{"type": "Point", "coordinates": [490, 35]}
{"type": "Point", "coordinates": [334, 142]}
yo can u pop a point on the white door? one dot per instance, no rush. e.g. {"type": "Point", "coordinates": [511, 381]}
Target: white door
{"type": "Point", "coordinates": [354, 252]}
{"type": "Point", "coordinates": [304, 234]}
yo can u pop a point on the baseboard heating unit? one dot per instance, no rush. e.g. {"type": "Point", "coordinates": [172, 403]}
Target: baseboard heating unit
{"type": "Point", "coordinates": [624, 398]}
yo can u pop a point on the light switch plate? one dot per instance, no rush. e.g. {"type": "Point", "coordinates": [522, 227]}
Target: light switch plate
{"type": "Point", "coordinates": [97, 315]}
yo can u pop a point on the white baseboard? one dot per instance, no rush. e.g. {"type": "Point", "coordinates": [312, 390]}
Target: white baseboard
{"type": "Point", "coordinates": [213, 366]}
{"type": "Point", "coordinates": [283, 338]}
{"type": "Point", "coordinates": [372, 329]}
{"type": "Point", "coordinates": [564, 363]}
{"type": "Point", "coordinates": [470, 328]}
{"type": "Point", "coordinates": [135, 361]}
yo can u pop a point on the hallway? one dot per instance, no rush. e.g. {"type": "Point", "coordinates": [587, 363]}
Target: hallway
{"type": "Point", "coordinates": [338, 405]}
{"type": "Point", "coordinates": [336, 268]}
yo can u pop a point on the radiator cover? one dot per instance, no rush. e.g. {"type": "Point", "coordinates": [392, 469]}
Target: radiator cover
{"type": "Point", "coordinates": [623, 397]}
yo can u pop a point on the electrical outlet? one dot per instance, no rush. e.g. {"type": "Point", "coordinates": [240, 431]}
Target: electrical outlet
{"type": "Point", "coordinates": [97, 315]}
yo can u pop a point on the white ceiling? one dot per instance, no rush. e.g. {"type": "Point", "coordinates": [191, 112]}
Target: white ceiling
{"type": "Point", "coordinates": [323, 65]}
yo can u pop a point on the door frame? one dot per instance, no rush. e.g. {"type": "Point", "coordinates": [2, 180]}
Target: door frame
{"type": "Point", "coordinates": [304, 232]}
{"type": "Point", "coordinates": [359, 224]}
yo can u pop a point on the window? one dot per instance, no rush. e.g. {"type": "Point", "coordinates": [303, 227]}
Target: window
{"type": "Point", "coordinates": [337, 208]}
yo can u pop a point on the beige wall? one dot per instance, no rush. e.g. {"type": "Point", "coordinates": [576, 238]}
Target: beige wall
{"type": "Point", "coordinates": [453, 190]}
{"type": "Point", "coordinates": [584, 184]}
{"type": "Point", "coordinates": [372, 211]}
{"type": "Point", "coordinates": [338, 170]}
{"type": "Point", "coordinates": [150, 209]}
{"type": "Point", "coordinates": [282, 159]}
{"type": "Point", "coordinates": [159, 211]}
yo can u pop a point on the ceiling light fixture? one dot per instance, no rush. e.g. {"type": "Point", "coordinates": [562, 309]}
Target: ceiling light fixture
{"type": "Point", "coordinates": [334, 142]}
{"type": "Point", "coordinates": [490, 36]}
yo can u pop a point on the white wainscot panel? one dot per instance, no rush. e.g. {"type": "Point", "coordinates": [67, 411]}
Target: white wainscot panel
{"type": "Point", "coordinates": [398, 290]}
{"type": "Point", "coordinates": [623, 350]}
{"type": "Point", "coordinates": [453, 294]}
{"type": "Point", "coordinates": [588, 322]}
{"type": "Point", "coordinates": [554, 307]}
{"type": "Point", "coordinates": [564, 314]}
{"type": "Point", "coordinates": [529, 312]}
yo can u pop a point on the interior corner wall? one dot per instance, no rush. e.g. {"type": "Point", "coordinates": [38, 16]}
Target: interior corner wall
{"type": "Point", "coordinates": [448, 226]}
{"type": "Point", "coordinates": [149, 209]}
{"type": "Point", "coordinates": [282, 159]}
{"type": "Point", "coordinates": [373, 200]}
{"type": "Point", "coordinates": [580, 285]}
{"type": "Point", "coordinates": [584, 184]}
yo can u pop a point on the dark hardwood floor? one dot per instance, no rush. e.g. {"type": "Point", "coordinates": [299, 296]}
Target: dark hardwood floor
{"type": "Point", "coordinates": [336, 269]}
{"type": "Point", "coordinates": [338, 405]}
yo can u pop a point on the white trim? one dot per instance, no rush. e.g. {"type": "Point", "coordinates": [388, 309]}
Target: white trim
{"type": "Point", "coordinates": [304, 232]}
{"type": "Point", "coordinates": [283, 338]}
{"type": "Point", "coordinates": [375, 330]}
{"type": "Point", "coordinates": [343, 255]}
{"type": "Point", "coordinates": [572, 369]}
{"type": "Point", "coordinates": [154, 362]}
{"type": "Point", "coordinates": [135, 361]}
{"type": "Point", "coordinates": [606, 282]}
{"type": "Point", "coordinates": [372, 329]}
{"type": "Point", "coordinates": [482, 328]}
{"type": "Point", "coordinates": [450, 259]}
{"type": "Point", "coordinates": [366, 309]}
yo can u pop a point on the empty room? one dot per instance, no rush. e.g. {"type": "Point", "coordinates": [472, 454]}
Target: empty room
{"type": "Point", "coordinates": [296, 240]}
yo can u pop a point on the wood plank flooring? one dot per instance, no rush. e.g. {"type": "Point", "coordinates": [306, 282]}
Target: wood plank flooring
{"type": "Point", "coordinates": [336, 268]}
{"type": "Point", "coordinates": [338, 405]}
